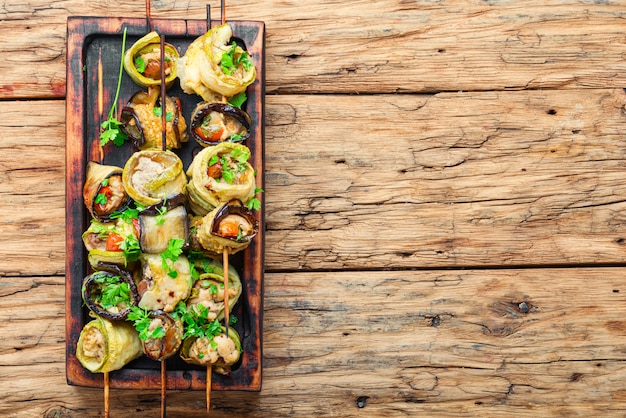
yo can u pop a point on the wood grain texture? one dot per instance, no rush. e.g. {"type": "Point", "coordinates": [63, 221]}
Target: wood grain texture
{"type": "Point", "coordinates": [439, 343]}
{"type": "Point", "coordinates": [414, 241]}
{"type": "Point", "coordinates": [463, 180]}
{"type": "Point", "coordinates": [361, 46]}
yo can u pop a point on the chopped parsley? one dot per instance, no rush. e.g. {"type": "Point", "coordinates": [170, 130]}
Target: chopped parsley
{"type": "Point", "coordinates": [238, 100]}
{"type": "Point", "coordinates": [233, 57]}
{"type": "Point", "coordinates": [140, 64]}
{"type": "Point", "coordinates": [233, 164]}
{"type": "Point", "coordinates": [141, 321]}
{"type": "Point", "coordinates": [255, 203]}
{"type": "Point", "coordinates": [101, 199]}
{"type": "Point", "coordinates": [111, 291]}
{"type": "Point", "coordinates": [173, 251]}
{"type": "Point", "coordinates": [131, 248]}
{"type": "Point", "coordinates": [128, 214]}
{"type": "Point", "coordinates": [196, 322]}
{"type": "Point", "coordinates": [156, 111]}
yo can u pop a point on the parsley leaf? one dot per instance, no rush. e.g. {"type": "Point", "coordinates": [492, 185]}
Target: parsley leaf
{"type": "Point", "coordinates": [254, 203]}
{"type": "Point", "coordinates": [101, 199]}
{"type": "Point", "coordinates": [111, 291]}
{"type": "Point", "coordinates": [141, 321]}
{"type": "Point", "coordinates": [131, 248]}
{"type": "Point", "coordinates": [111, 131]}
{"type": "Point", "coordinates": [238, 100]}
{"type": "Point", "coordinates": [196, 321]}
{"type": "Point", "coordinates": [156, 111]}
{"type": "Point", "coordinates": [173, 251]}
{"type": "Point", "coordinates": [140, 64]}
{"type": "Point", "coordinates": [233, 57]}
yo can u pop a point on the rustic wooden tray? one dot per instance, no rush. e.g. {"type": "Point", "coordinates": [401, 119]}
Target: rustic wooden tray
{"type": "Point", "coordinates": [88, 38]}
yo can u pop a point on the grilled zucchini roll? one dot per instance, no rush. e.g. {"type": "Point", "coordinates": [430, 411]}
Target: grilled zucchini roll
{"type": "Point", "coordinates": [219, 174]}
{"type": "Point", "coordinates": [152, 175]}
{"type": "Point", "coordinates": [221, 350]}
{"type": "Point", "coordinates": [214, 65]}
{"type": "Point", "coordinates": [105, 346]}
{"type": "Point", "coordinates": [208, 289]}
{"type": "Point", "coordinates": [142, 61]}
{"type": "Point", "coordinates": [231, 226]}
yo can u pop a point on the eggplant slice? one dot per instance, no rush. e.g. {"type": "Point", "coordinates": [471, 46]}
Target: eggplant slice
{"type": "Point", "coordinates": [103, 192]}
{"type": "Point", "coordinates": [212, 123]}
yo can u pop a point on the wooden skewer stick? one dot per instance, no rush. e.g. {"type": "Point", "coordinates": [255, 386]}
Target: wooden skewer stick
{"type": "Point", "coordinates": [163, 97]}
{"type": "Point", "coordinates": [106, 394]}
{"type": "Point", "coordinates": [209, 379]}
{"type": "Point", "coordinates": [223, 6]}
{"type": "Point", "coordinates": [148, 16]}
{"type": "Point", "coordinates": [226, 295]}
{"type": "Point", "coordinates": [163, 387]}
{"type": "Point", "coordinates": [100, 103]}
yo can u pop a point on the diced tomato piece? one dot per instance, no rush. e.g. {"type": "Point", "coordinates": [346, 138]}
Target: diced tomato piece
{"type": "Point", "coordinates": [113, 242]}
{"type": "Point", "coordinates": [229, 229]}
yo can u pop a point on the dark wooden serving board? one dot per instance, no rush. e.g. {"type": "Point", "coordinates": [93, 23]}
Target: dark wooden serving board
{"type": "Point", "coordinates": [88, 38]}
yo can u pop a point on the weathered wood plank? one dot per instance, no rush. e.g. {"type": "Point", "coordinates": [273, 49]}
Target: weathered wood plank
{"type": "Point", "coordinates": [530, 342]}
{"type": "Point", "coordinates": [456, 179]}
{"type": "Point", "coordinates": [509, 178]}
{"type": "Point", "coordinates": [395, 46]}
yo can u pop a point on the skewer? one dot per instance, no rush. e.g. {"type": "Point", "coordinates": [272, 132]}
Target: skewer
{"type": "Point", "coordinates": [148, 16]}
{"type": "Point", "coordinates": [163, 147]}
{"type": "Point", "coordinates": [209, 378]}
{"type": "Point", "coordinates": [163, 387]}
{"type": "Point", "coordinates": [101, 158]}
{"type": "Point", "coordinates": [163, 97]}
{"type": "Point", "coordinates": [226, 295]}
{"type": "Point", "coordinates": [100, 102]}
{"type": "Point", "coordinates": [106, 394]}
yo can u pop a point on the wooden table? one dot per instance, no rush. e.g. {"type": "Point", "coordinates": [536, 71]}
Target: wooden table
{"type": "Point", "coordinates": [445, 210]}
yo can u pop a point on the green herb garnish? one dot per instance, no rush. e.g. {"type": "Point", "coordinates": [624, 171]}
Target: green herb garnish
{"type": "Point", "coordinates": [111, 131]}
{"type": "Point", "coordinates": [156, 111]}
{"type": "Point", "coordinates": [238, 100]}
{"type": "Point", "coordinates": [173, 251]}
{"type": "Point", "coordinates": [233, 57]}
{"type": "Point", "coordinates": [101, 199]}
{"type": "Point", "coordinates": [140, 64]}
{"type": "Point", "coordinates": [112, 291]}
{"type": "Point", "coordinates": [141, 321]}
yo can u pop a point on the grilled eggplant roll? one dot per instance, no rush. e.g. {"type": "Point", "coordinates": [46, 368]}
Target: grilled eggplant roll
{"type": "Point", "coordinates": [219, 174]}
{"type": "Point", "coordinates": [142, 122]}
{"type": "Point", "coordinates": [103, 192]}
{"type": "Point", "coordinates": [213, 63]}
{"type": "Point", "coordinates": [208, 290]}
{"type": "Point", "coordinates": [220, 351]}
{"type": "Point", "coordinates": [230, 225]}
{"type": "Point", "coordinates": [160, 334]}
{"type": "Point", "coordinates": [110, 293]}
{"type": "Point", "coordinates": [142, 61]}
{"type": "Point", "coordinates": [161, 222]}
{"type": "Point", "coordinates": [112, 243]}
{"type": "Point", "coordinates": [165, 280]}
{"type": "Point", "coordinates": [212, 123]}
{"type": "Point", "coordinates": [104, 346]}
{"type": "Point", "coordinates": [151, 175]}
